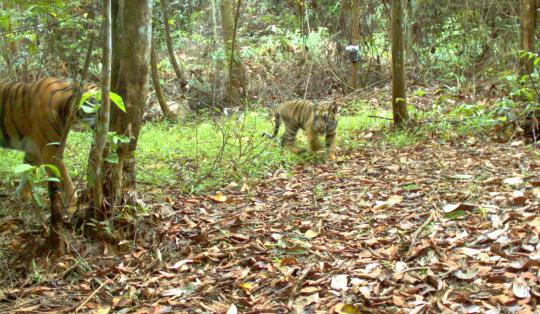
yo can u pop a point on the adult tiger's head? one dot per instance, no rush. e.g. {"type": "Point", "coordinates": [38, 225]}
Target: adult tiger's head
{"type": "Point", "coordinates": [325, 117]}
{"type": "Point", "coordinates": [88, 105]}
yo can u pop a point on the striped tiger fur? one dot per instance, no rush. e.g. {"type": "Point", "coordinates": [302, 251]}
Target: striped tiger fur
{"type": "Point", "coordinates": [35, 118]}
{"type": "Point", "coordinates": [315, 119]}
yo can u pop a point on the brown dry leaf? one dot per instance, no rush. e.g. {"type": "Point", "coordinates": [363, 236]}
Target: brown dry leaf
{"type": "Point", "coordinates": [391, 201]}
{"type": "Point", "coordinates": [289, 261]}
{"type": "Point", "coordinates": [180, 264]}
{"type": "Point", "coordinates": [232, 309]}
{"type": "Point", "coordinates": [175, 292]}
{"type": "Point", "coordinates": [246, 286]}
{"type": "Point", "coordinates": [342, 308]}
{"type": "Point", "coordinates": [467, 274]}
{"type": "Point", "coordinates": [310, 234]}
{"type": "Point", "coordinates": [304, 301]}
{"type": "Point", "coordinates": [521, 288]}
{"type": "Point", "coordinates": [103, 310]}
{"type": "Point", "coordinates": [309, 290]}
{"type": "Point", "coordinates": [121, 301]}
{"type": "Point", "coordinates": [448, 208]}
{"type": "Point", "coordinates": [219, 197]}
{"type": "Point", "coordinates": [398, 300]}
{"type": "Point", "coordinates": [514, 181]}
{"type": "Point", "coordinates": [339, 282]}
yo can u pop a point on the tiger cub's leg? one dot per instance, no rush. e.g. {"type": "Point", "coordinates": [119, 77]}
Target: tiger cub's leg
{"type": "Point", "coordinates": [23, 191]}
{"type": "Point", "coordinates": [289, 140]}
{"type": "Point", "coordinates": [330, 142]}
{"type": "Point", "coordinates": [313, 139]}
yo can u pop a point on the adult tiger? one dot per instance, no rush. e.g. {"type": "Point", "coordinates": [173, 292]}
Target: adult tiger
{"type": "Point", "coordinates": [35, 118]}
{"type": "Point", "coordinates": [315, 119]}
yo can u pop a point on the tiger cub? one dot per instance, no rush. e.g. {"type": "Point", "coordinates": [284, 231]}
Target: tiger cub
{"type": "Point", "coordinates": [35, 118]}
{"type": "Point", "coordinates": [315, 119]}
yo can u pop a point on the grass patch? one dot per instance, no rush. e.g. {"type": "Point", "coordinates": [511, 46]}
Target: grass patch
{"type": "Point", "coordinates": [197, 156]}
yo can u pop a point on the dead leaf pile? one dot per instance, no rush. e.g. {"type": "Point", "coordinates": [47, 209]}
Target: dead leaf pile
{"type": "Point", "coordinates": [429, 229]}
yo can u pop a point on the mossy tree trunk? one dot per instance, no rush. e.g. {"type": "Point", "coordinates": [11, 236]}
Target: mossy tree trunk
{"type": "Point", "coordinates": [527, 16]}
{"type": "Point", "coordinates": [399, 97]}
{"type": "Point", "coordinates": [355, 39]}
{"type": "Point", "coordinates": [157, 86]}
{"type": "Point", "coordinates": [237, 76]}
{"type": "Point", "coordinates": [130, 68]}
{"type": "Point", "coordinates": [102, 128]}
{"type": "Point", "coordinates": [170, 46]}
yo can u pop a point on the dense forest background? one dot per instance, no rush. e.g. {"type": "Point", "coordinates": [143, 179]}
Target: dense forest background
{"type": "Point", "coordinates": [282, 44]}
{"type": "Point", "coordinates": [431, 206]}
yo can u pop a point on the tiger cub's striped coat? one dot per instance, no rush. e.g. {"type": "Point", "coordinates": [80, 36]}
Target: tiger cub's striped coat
{"type": "Point", "coordinates": [315, 119]}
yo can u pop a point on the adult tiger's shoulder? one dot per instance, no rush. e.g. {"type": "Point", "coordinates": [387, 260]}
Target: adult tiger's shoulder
{"type": "Point", "coordinates": [36, 117]}
{"type": "Point", "coordinates": [316, 119]}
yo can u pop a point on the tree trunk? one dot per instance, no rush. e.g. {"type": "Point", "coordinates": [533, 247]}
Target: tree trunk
{"type": "Point", "coordinates": [91, 43]}
{"type": "Point", "coordinates": [237, 76]}
{"type": "Point", "coordinates": [102, 129]}
{"type": "Point", "coordinates": [355, 39]}
{"type": "Point", "coordinates": [56, 240]}
{"type": "Point", "coordinates": [410, 22]}
{"type": "Point", "coordinates": [116, 49]}
{"type": "Point", "coordinates": [399, 98]}
{"type": "Point", "coordinates": [157, 86]}
{"type": "Point", "coordinates": [131, 57]}
{"type": "Point", "coordinates": [344, 17]}
{"type": "Point", "coordinates": [170, 48]}
{"type": "Point", "coordinates": [10, 50]}
{"type": "Point", "coordinates": [527, 14]}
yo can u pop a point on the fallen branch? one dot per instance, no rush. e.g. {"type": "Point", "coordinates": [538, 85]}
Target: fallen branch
{"type": "Point", "coordinates": [94, 293]}
{"type": "Point", "coordinates": [383, 118]}
{"type": "Point", "coordinates": [418, 231]}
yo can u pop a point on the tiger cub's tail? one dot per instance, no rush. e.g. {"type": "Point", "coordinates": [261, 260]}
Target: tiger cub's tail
{"type": "Point", "coordinates": [277, 122]}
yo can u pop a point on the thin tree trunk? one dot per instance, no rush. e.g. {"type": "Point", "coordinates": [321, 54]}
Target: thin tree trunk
{"type": "Point", "coordinates": [399, 98]}
{"type": "Point", "coordinates": [170, 48]}
{"type": "Point", "coordinates": [56, 237]}
{"type": "Point", "coordinates": [215, 15]}
{"type": "Point", "coordinates": [527, 15]}
{"type": "Point", "coordinates": [91, 43]}
{"type": "Point", "coordinates": [355, 38]}
{"type": "Point", "coordinates": [132, 54]}
{"type": "Point", "coordinates": [411, 9]}
{"type": "Point", "coordinates": [157, 86]}
{"type": "Point", "coordinates": [102, 130]}
{"type": "Point", "coordinates": [116, 49]}
{"type": "Point", "coordinates": [237, 76]}
{"type": "Point", "coordinates": [344, 17]}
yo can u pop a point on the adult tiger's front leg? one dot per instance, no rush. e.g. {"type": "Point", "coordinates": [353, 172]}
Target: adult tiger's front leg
{"type": "Point", "coordinates": [51, 155]}
{"type": "Point", "coordinates": [23, 191]}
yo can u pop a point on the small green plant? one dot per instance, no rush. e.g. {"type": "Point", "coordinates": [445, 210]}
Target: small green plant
{"type": "Point", "coordinates": [483, 212]}
{"type": "Point", "coordinates": [91, 101]}
{"type": "Point", "coordinates": [36, 272]}
{"type": "Point", "coordinates": [36, 177]}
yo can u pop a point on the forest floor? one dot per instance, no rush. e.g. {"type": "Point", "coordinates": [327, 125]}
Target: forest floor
{"type": "Point", "coordinates": [439, 228]}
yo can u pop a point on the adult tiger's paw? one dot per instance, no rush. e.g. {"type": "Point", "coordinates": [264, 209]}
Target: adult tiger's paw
{"type": "Point", "coordinates": [331, 157]}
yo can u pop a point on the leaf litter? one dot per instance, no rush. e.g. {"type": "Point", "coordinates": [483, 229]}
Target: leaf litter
{"type": "Point", "coordinates": [429, 229]}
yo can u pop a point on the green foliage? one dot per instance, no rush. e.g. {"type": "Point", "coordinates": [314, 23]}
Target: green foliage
{"type": "Point", "coordinates": [114, 140]}
{"type": "Point", "coordinates": [37, 176]}
{"type": "Point", "coordinates": [209, 153]}
{"type": "Point", "coordinates": [91, 101]}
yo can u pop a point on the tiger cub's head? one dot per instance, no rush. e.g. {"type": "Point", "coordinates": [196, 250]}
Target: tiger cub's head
{"type": "Point", "coordinates": [325, 117]}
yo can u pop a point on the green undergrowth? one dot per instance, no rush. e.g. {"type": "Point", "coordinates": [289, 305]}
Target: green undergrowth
{"type": "Point", "coordinates": [197, 156]}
